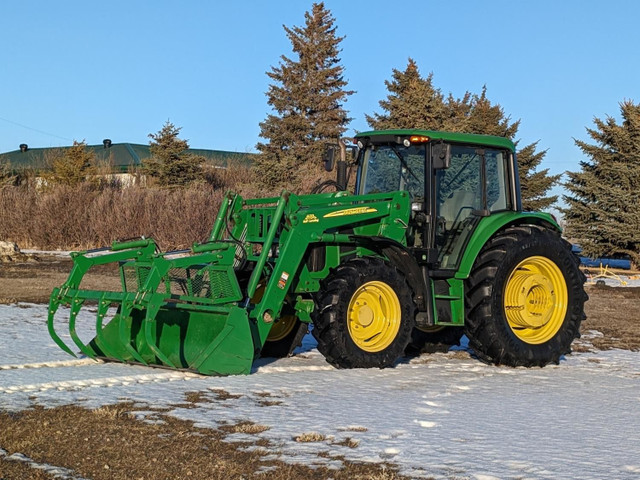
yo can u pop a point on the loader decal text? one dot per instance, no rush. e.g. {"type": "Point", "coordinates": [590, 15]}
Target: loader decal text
{"type": "Point", "coordinates": [310, 218]}
{"type": "Point", "coordinates": [350, 211]}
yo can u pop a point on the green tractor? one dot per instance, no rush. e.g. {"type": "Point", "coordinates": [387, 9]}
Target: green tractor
{"type": "Point", "coordinates": [431, 245]}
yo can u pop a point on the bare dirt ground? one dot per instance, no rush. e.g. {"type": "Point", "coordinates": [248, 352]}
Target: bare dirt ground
{"type": "Point", "coordinates": [109, 443]}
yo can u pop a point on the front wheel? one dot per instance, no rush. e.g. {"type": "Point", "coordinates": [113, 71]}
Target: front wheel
{"type": "Point", "coordinates": [364, 315]}
{"type": "Point", "coordinates": [525, 298]}
{"type": "Point", "coordinates": [285, 335]}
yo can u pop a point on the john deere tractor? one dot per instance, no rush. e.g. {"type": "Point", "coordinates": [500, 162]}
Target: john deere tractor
{"type": "Point", "coordinates": [431, 244]}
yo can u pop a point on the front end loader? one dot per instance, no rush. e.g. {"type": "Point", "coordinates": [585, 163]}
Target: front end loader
{"type": "Point", "coordinates": [433, 243]}
{"type": "Point", "coordinates": [211, 308]}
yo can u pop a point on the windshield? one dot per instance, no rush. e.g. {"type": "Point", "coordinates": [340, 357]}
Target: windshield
{"type": "Point", "coordinates": [387, 168]}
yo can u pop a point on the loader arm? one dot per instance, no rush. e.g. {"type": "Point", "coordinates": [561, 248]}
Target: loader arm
{"type": "Point", "coordinates": [295, 223]}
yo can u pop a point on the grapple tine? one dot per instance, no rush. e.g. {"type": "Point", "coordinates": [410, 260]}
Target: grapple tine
{"type": "Point", "coordinates": [151, 313]}
{"type": "Point", "coordinates": [124, 331]}
{"type": "Point", "coordinates": [76, 305]}
{"type": "Point", "coordinates": [53, 308]}
{"type": "Point", "coordinates": [101, 341]}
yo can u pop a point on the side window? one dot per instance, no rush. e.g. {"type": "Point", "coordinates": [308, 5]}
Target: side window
{"type": "Point", "coordinates": [460, 192]}
{"type": "Point", "coordinates": [497, 177]}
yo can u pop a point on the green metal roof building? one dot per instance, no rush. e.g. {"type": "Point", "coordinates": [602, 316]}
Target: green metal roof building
{"type": "Point", "coordinates": [119, 155]}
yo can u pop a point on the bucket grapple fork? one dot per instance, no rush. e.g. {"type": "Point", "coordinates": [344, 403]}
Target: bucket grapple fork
{"type": "Point", "coordinates": [72, 295]}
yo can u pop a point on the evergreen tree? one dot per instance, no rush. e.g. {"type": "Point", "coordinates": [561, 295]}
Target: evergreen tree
{"type": "Point", "coordinates": [71, 166]}
{"type": "Point", "coordinates": [413, 102]}
{"type": "Point", "coordinates": [169, 164]}
{"type": "Point", "coordinates": [602, 208]}
{"type": "Point", "coordinates": [487, 119]}
{"type": "Point", "coordinates": [535, 184]}
{"type": "Point", "coordinates": [306, 98]}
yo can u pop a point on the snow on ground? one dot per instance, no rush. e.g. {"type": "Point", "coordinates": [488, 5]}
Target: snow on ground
{"type": "Point", "coordinates": [441, 415]}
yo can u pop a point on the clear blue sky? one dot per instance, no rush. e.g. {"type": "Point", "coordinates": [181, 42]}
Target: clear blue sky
{"type": "Point", "coordinates": [78, 70]}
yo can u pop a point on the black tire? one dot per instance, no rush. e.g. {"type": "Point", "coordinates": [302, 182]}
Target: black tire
{"type": "Point", "coordinates": [506, 338]}
{"type": "Point", "coordinates": [365, 339]}
{"type": "Point", "coordinates": [433, 339]}
{"type": "Point", "coordinates": [284, 342]}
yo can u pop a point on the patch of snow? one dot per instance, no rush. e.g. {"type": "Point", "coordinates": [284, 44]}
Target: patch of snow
{"type": "Point", "coordinates": [442, 415]}
{"type": "Point", "coordinates": [57, 472]}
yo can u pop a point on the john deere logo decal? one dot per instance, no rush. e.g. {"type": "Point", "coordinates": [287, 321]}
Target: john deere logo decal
{"type": "Point", "coordinates": [310, 218]}
{"type": "Point", "coordinates": [350, 211]}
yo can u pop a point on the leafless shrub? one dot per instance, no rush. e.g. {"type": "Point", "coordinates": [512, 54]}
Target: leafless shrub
{"type": "Point", "coordinates": [65, 217]}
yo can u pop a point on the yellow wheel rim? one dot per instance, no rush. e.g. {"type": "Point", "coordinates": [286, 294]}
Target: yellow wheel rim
{"type": "Point", "coordinates": [281, 328]}
{"type": "Point", "coordinates": [374, 316]}
{"type": "Point", "coordinates": [535, 300]}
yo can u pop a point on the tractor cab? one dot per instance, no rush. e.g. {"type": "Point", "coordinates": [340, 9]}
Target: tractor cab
{"type": "Point", "coordinates": [454, 180]}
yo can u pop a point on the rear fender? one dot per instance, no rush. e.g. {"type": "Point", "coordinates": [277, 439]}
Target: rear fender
{"type": "Point", "coordinates": [490, 225]}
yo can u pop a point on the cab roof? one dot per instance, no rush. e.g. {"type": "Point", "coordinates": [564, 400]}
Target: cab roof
{"type": "Point", "coordinates": [454, 137]}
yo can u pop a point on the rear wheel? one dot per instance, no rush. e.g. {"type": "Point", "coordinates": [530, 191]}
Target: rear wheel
{"type": "Point", "coordinates": [364, 315]}
{"type": "Point", "coordinates": [525, 298]}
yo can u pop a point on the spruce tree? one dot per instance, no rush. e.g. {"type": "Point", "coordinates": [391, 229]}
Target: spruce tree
{"type": "Point", "coordinates": [535, 184]}
{"type": "Point", "coordinates": [414, 102]}
{"type": "Point", "coordinates": [169, 163]}
{"type": "Point", "coordinates": [602, 211]}
{"type": "Point", "coordinates": [307, 100]}
{"type": "Point", "coordinates": [71, 166]}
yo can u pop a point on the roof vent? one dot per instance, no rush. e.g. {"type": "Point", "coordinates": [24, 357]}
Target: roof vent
{"type": "Point", "coordinates": [24, 147]}
{"type": "Point", "coordinates": [106, 142]}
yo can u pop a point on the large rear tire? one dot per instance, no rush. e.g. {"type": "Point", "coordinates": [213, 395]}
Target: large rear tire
{"type": "Point", "coordinates": [364, 315]}
{"type": "Point", "coordinates": [525, 298]}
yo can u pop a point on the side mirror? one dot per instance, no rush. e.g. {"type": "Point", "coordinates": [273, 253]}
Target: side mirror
{"type": "Point", "coordinates": [440, 155]}
{"type": "Point", "coordinates": [329, 157]}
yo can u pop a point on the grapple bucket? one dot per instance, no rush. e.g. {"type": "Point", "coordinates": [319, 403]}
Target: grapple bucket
{"type": "Point", "coordinates": [194, 309]}
{"type": "Point", "coordinates": [176, 310]}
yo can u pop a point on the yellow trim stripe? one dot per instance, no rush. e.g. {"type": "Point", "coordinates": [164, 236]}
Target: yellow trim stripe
{"type": "Point", "coordinates": [350, 211]}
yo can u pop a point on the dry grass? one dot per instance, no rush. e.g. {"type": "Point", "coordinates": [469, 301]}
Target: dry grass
{"type": "Point", "coordinates": [349, 442]}
{"type": "Point", "coordinates": [245, 427]}
{"type": "Point", "coordinates": [310, 437]}
{"type": "Point", "coordinates": [222, 394]}
{"type": "Point", "coordinates": [614, 312]}
{"type": "Point", "coordinates": [112, 412]}
{"type": "Point", "coordinates": [355, 428]}
{"type": "Point", "coordinates": [110, 444]}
